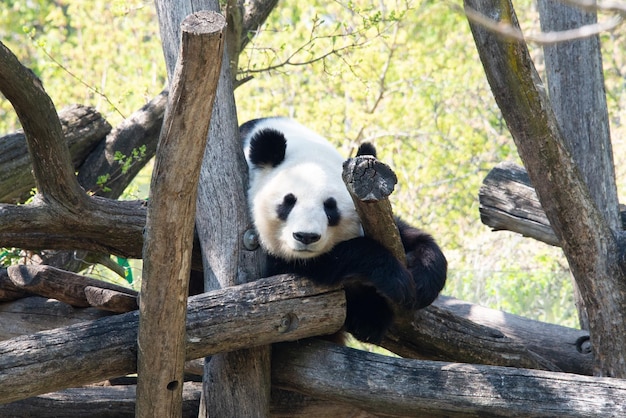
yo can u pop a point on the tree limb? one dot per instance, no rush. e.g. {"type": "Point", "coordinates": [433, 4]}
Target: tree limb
{"type": "Point", "coordinates": [585, 235]}
{"type": "Point", "coordinates": [223, 320]}
{"type": "Point", "coordinates": [400, 387]}
{"type": "Point", "coordinates": [171, 216]}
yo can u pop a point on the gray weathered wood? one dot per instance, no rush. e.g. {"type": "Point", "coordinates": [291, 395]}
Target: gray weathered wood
{"type": "Point", "coordinates": [33, 314]}
{"type": "Point", "coordinates": [93, 402]}
{"type": "Point", "coordinates": [171, 215]}
{"type": "Point", "coordinates": [52, 167]}
{"type": "Point", "coordinates": [575, 82]}
{"type": "Point", "coordinates": [119, 402]}
{"type": "Point", "coordinates": [281, 308]}
{"type": "Point", "coordinates": [590, 244]}
{"type": "Point", "coordinates": [141, 128]}
{"type": "Point", "coordinates": [415, 335]}
{"type": "Point", "coordinates": [82, 128]}
{"type": "Point", "coordinates": [507, 201]}
{"type": "Point", "coordinates": [567, 348]}
{"type": "Point", "coordinates": [370, 182]}
{"type": "Point", "coordinates": [222, 217]}
{"type": "Point", "coordinates": [110, 300]}
{"type": "Point", "coordinates": [401, 387]}
{"type": "Point", "coordinates": [59, 284]}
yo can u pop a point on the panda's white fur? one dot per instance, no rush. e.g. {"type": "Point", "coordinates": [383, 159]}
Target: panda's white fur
{"type": "Point", "coordinates": [307, 225]}
{"type": "Point", "coordinates": [311, 171]}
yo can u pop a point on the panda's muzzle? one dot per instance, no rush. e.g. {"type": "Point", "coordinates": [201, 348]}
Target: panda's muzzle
{"type": "Point", "coordinates": [306, 237]}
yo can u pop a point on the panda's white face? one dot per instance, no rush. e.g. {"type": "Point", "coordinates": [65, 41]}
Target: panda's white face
{"type": "Point", "coordinates": [298, 216]}
{"type": "Point", "coordinates": [299, 203]}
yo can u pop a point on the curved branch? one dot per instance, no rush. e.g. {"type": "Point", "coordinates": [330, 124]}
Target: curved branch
{"type": "Point", "coordinates": [53, 170]}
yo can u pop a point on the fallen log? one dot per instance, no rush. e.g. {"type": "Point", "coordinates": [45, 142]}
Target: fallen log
{"type": "Point", "coordinates": [67, 287]}
{"type": "Point", "coordinates": [399, 387]}
{"type": "Point", "coordinates": [82, 128]}
{"type": "Point", "coordinates": [281, 308]}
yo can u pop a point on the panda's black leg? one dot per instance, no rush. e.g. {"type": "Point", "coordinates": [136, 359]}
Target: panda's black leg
{"type": "Point", "coordinates": [425, 261]}
{"type": "Point", "coordinates": [368, 315]}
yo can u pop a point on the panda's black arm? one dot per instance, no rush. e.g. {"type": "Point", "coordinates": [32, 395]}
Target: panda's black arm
{"type": "Point", "coordinates": [425, 261]}
{"type": "Point", "coordinates": [359, 261]}
{"type": "Point", "coordinates": [364, 260]}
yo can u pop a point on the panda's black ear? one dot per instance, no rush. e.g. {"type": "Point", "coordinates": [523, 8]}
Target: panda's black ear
{"type": "Point", "coordinates": [267, 147]}
{"type": "Point", "coordinates": [366, 148]}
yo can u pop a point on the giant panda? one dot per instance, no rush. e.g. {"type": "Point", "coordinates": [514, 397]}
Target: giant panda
{"type": "Point", "coordinates": [307, 224]}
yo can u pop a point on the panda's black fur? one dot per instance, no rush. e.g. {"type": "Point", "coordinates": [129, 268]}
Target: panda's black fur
{"type": "Point", "coordinates": [334, 252]}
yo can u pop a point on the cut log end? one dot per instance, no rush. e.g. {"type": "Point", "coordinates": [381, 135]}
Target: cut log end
{"type": "Point", "coordinates": [368, 179]}
{"type": "Point", "coordinates": [204, 22]}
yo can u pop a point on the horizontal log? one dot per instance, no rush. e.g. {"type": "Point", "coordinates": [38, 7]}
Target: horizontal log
{"type": "Point", "coordinates": [82, 127]}
{"type": "Point", "coordinates": [569, 349]}
{"type": "Point", "coordinates": [281, 308]}
{"type": "Point", "coordinates": [94, 402]}
{"type": "Point", "coordinates": [110, 300]}
{"type": "Point", "coordinates": [59, 284]}
{"type": "Point", "coordinates": [33, 314]}
{"type": "Point", "coordinates": [119, 402]}
{"type": "Point", "coordinates": [400, 387]}
{"type": "Point", "coordinates": [508, 201]}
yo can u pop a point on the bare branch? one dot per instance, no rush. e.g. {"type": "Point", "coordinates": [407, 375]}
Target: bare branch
{"type": "Point", "coordinates": [544, 38]}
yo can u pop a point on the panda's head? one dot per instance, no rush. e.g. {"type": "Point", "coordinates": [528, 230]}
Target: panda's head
{"type": "Point", "coordinates": [299, 203]}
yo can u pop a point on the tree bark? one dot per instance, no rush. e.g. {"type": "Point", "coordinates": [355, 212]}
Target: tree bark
{"type": "Point", "coordinates": [587, 238]}
{"type": "Point", "coordinates": [576, 89]}
{"type": "Point", "coordinates": [370, 182]}
{"type": "Point", "coordinates": [508, 202]}
{"type": "Point", "coordinates": [400, 387]}
{"type": "Point", "coordinates": [61, 285]}
{"type": "Point", "coordinates": [171, 216]}
{"type": "Point", "coordinates": [281, 308]}
{"type": "Point", "coordinates": [141, 129]}
{"type": "Point", "coordinates": [82, 128]}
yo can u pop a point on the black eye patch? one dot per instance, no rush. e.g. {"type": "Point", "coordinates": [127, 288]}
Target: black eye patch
{"type": "Point", "coordinates": [332, 212]}
{"type": "Point", "coordinates": [283, 210]}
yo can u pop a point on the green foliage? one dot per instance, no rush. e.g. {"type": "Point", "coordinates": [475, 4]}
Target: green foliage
{"type": "Point", "coordinates": [406, 76]}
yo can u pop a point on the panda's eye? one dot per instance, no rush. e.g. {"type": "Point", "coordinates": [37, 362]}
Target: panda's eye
{"type": "Point", "coordinates": [332, 212]}
{"type": "Point", "coordinates": [283, 210]}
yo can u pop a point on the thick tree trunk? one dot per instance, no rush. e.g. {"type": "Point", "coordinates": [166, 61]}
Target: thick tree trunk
{"type": "Point", "coordinates": [576, 90]}
{"type": "Point", "coordinates": [589, 241]}
{"type": "Point", "coordinates": [171, 216]}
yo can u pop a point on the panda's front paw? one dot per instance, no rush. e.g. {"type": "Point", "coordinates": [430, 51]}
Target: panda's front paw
{"type": "Point", "coordinates": [368, 316]}
{"type": "Point", "coordinates": [398, 287]}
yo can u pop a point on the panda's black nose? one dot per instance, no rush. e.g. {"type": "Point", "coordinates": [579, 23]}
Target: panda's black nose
{"type": "Point", "coordinates": [306, 237]}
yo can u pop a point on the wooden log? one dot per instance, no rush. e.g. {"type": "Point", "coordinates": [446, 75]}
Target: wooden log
{"type": "Point", "coordinates": [110, 300]}
{"type": "Point", "coordinates": [33, 314]}
{"type": "Point", "coordinates": [59, 284]}
{"type": "Point", "coordinates": [417, 335]}
{"type": "Point", "coordinates": [82, 127]}
{"type": "Point", "coordinates": [94, 402]}
{"type": "Point", "coordinates": [370, 182]}
{"type": "Point", "coordinates": [399, 387]}
{"type": "Point", "coordinates": [568, 349]}
{"type": "Point", "coordinates": [171, 216]}
{"type": "Point", "coordinates": [119, 402]}
{"type": "Point", "coordinates": [508, 201]}
{"type": "Point", "coordinates": [281, 308]}
{"type": "Point", "coordinates": [140, 129]}
{"type": "Point", "coordinates": [8, 291]}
